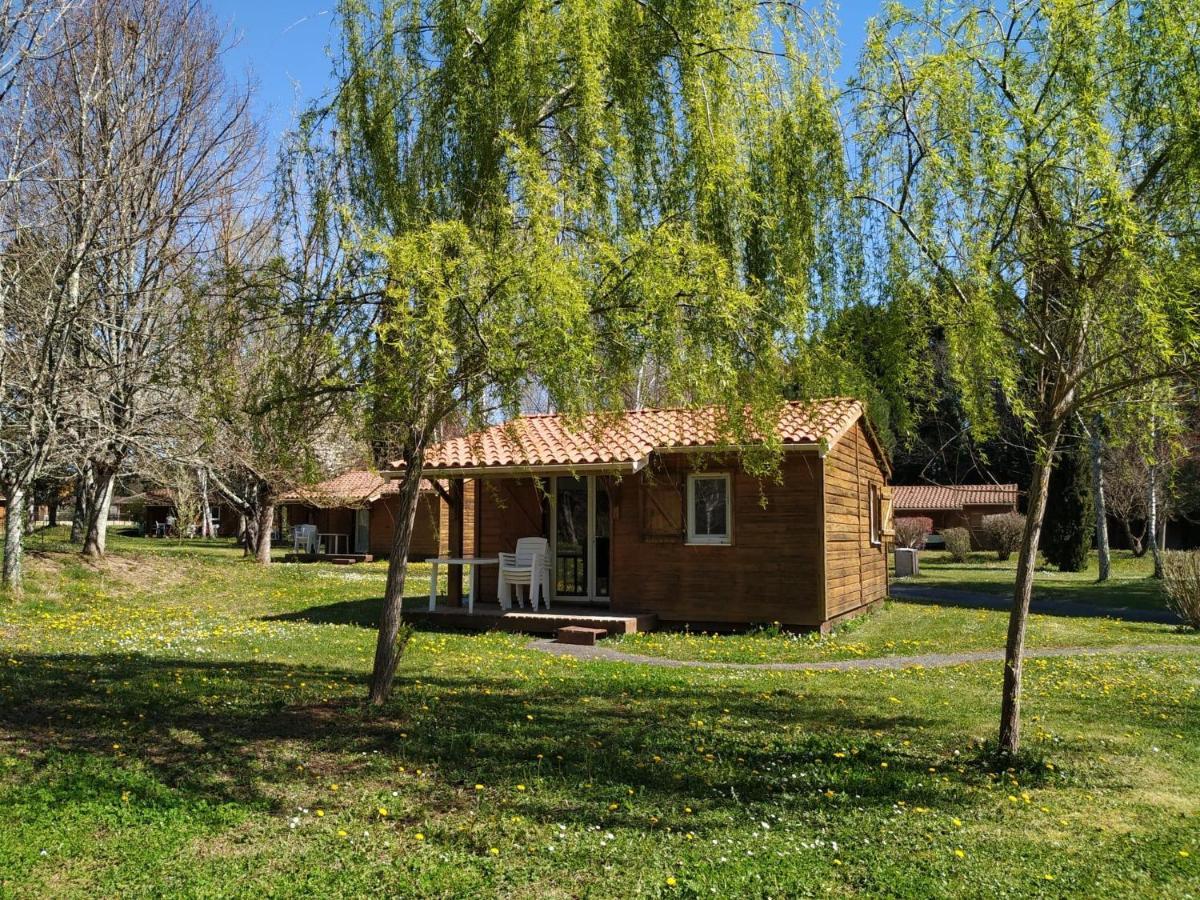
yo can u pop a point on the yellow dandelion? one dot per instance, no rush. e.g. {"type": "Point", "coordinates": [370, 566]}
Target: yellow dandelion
{"type": "Point", "coordinates": [959, 853]}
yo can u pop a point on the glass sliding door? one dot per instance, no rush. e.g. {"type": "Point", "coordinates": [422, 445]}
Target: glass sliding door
{"type": "Point", "coordinates": [571, 537]}
{"type": "Point", "coordinates": [582, 538]}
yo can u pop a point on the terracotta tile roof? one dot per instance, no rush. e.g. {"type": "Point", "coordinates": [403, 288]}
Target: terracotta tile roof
{"type": "Point", "coordinates": [357, 487]}
{"type": "Point", "coordinates": [951, 497]}
{"type": "Point", "coordinates": [529, 442]}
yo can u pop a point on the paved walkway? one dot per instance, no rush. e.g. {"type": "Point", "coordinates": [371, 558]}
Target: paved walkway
{"type": "Point", "coordinates": [929, 660]}
{"type": "Point", "coordinates": [942, 596]}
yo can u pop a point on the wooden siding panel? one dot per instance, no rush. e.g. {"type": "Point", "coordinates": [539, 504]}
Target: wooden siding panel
{"type": "Point", "coordinates": [771, 572]}
{"type": "Point", "coordinates": [856, 570]}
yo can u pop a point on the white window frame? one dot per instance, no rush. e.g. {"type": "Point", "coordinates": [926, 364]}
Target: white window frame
{"type": "Point", "coordinates": [709, 540]}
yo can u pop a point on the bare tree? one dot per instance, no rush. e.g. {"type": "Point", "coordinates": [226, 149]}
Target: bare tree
{"type": "Point", "coordinates": [183, 149]}
{"type": "Point", "coordinates": [39, 261]}
{"type": "Point", "coordinates": [279, 345]}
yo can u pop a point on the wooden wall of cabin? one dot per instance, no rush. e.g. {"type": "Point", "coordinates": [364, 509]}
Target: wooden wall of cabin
{"type": "Point", "coordinates": [470, 494]}
{"type": "Point", "coordinates": [855, 568]}
{"type": "Point", "coordinates": [770, 572]}
{"type": "Point", "coordinates": [425, 536]}
{"type": "Point", "coordinates": [505, 509]}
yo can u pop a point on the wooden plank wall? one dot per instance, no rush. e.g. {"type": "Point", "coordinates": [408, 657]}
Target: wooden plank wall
{"type": "Point", "coordinates": [425, 536]}
{"type": "Point", "coordinates": [771, 572]}
{"type": "Point", "coordinates": [855, 570]}
{"type": "Point", "coordinates": [505, 509]}
{"type": "Point", "coordinates": [470, 493]}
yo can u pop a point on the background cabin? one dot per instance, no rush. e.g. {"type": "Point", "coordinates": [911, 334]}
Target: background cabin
{"type": "Point", "coordinates": [361, 508]}
{"type": "Point", "coordinates": [955, 506]}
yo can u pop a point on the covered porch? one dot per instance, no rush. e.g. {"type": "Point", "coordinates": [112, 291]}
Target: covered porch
{"type": "Point", "coordinates": [491, 617]}
{"type": "Point", "coordinates": [572, 510]}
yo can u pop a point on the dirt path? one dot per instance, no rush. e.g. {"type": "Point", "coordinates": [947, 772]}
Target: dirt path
{"type": "Point", "coordinates": [929, 660]}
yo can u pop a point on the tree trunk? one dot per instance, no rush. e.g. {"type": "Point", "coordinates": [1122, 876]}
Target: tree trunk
{"type": "Point", "coordinates": [52, 508]}
{"type": "Point", "coordinates": [30, 513]}
{"type": "Point", "coordinates": [387, 653]}
{"type": "Point", "coordinates": [1152, 518]}
{"type": "Point", "coordinates": [1102, 550]}
{"type": "Point", "coordinates": [1014, 651]}
{"type": "Point", "coordinates": [1136, 545]}
{"type": "Point", "coordinates": [206, 520]}
{"type": "Point", "coordinates": [264, 525]}
{"type": "Point", "coordinates": [96, 534]}
{"type": "Point", "coordinates": [80, 517]}
{"type": "Point", "coordinates": [14, 534]}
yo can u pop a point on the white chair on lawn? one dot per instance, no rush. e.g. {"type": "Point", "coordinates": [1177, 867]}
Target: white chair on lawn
{"type": "Point", "coordinates": [529, 565]}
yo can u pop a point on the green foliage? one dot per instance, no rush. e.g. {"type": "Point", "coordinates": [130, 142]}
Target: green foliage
{"type": "Point", "coordinates": [558, 193]}
{"type": "Point", "coordinates": [1070, 522]}
{"type": "Point", "coordinates": [1036, 164]}
{"type": "Point", "coordinates": [1002, 533]}
{"type": "Point", "coordinates": [958, 543]}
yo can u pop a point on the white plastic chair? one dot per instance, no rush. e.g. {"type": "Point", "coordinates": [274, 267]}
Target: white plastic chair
{"type": "Point", "coordinates": [304, 539]}
{"type": "Point", "coordinates": [529, 565]}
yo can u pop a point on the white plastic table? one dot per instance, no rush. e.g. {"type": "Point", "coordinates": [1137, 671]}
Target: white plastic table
{"type": "Point", "coordinates": [474, 563]}
{"type": "Point", "coordinates": [333, 547]}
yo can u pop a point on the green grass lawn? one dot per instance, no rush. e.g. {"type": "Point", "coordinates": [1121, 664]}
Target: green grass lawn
{"type": "Point", "coordinates": [180, 722]}
{"type": "Point", "coordinates": [1131, 582]}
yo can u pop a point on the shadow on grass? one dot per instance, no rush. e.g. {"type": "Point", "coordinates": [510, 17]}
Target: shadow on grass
{"type": "Point", "coordinates": [363, 612]}
{"type": "Point", "coordinates": [1045, 602]}
{"type": "Point", "coordinates": [249, 733]}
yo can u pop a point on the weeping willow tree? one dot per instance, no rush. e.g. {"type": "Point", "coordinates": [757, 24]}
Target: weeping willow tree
{"type": "Point", "coordinates": [1038, 163]}
{"type": "Point", "coordinates": [557, 191]}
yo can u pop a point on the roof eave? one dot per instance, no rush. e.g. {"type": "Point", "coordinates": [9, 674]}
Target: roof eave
{"type": "Point", "coordinates": [523, 471]}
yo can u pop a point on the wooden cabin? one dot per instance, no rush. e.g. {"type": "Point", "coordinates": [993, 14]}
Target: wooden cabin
{"type": "Point", "coordinates": [653, 514]}
{"type": "Point", "coordinates": [158, 505]}
{"type": "Point", "coordinates": [355, 514]}
{"type": "Point", "coordinates": [955, 506]}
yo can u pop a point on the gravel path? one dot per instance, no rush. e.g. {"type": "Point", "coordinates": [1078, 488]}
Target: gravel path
{"type": "Point", "coordinates": [942, 596]}
{"type": "Point", "coordinates": [928, 660]}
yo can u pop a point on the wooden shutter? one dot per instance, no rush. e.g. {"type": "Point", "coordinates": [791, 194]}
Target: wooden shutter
{"type": "Point", "coordinates": [662, 512]}
{"type": "Point", "coordinates": [886, 519]}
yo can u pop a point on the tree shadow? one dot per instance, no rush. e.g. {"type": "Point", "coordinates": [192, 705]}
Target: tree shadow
{"type": "Point", "coordinates": [218, 732]}
{"type": "Point", "coordinates": [363, 612]}
{"type": "Point", "coordinates": [1044, 603]}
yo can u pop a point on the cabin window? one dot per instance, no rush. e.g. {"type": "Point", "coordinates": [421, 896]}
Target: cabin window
{"type": "Point", "coordinates": [708, 509]}
{"type": "Point", "coordinates": [875, 513]}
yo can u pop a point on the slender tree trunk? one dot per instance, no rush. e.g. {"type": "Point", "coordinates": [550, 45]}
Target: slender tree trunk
{"type": "Point", "coordinates": [1014, 651]}
{"type": "Point", "coordinates": [206, 520]}
{"type": "Point", "coordinates": [53, 514]}
{"type": "Point", "coordinates": [95, 539]}
{"type": "Point", "coordinates": [14, 534]}
{"type": "Point", "coordinates": [387, 653]}
{"type": "Point", "coordinates": [1152, 518]}
{"type": "Point", "coordinates": [30, 513]}
{"type": "Point", "coordinates": [1102, 550]}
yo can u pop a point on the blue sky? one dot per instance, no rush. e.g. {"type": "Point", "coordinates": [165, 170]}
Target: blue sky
{"type": "Point", "coordinates": [282, 45]}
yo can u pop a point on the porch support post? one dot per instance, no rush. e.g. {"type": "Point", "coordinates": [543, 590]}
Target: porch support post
{"type": "Point", "coordinates": [454, 574]}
